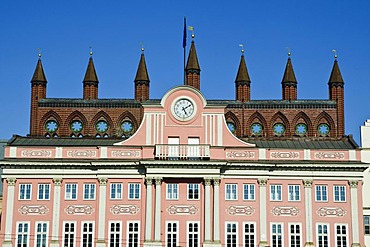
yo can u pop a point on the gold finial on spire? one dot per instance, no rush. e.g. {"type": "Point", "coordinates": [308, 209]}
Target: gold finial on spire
{"type": "Point", "coordinates": [142, 47]}
{"type": "Point", "coordinates": [191, 28]}
{"type": "Point", "coordinates": [335, 53]}
{"type": "Point", "coordinates": [288, 51]}
{"type": "Point", "coordinates": [39, 52]}
{"type": "Point", "coordinates": [242, 46]}
{"type": "Point", "coordinates": [91, 51]}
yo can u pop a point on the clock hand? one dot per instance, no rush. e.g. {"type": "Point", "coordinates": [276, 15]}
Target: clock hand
{"type": "Point", "coordinates": [184, 110]}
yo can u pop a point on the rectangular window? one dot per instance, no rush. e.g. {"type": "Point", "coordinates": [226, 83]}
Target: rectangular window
{"type": "Point", "coordinates": [277, 235]}
{"type": "Point", "coordinates": [295, 235]}
{"type": "Point", "coordinates": [115, 191]}
{"type": "Point", "coordinates": [248, 191]}
{"type": "Point", "coordinates": [133, 234]}
{"type": "Point", "coordinates": [71, 192]}
{"type": "Point", "coordinates": [367, 224]}
{"type": "Point", "coordinates": [293, 191]}
{"type": "Point", "coordinates": [89, 191]}
{"type": "Point", "coordinates": [339, 193]}
{"type": "Point", "coordinates": [322, 235]}
{"type": "Point", "coordinates": [25, 191]}
{"type": "Point", "coordinates": [231, 192]}
{"type": "Point", "coordinates": [115, 234]}
{"type": "Point", "coordinates": [172, 233]}
{"type": "Point", "coordinates": [193, 234]}
{"type": "Point", "coordinates": [341, 235]}
{"type": "Point", "coordinates": [275, 192]}
{"type": "Point", "coordinates": [231, 235]}
{"type": "Point", "coordinates": [87, 234]}
{"type": "Point", "coordinates": [172, 191]}
{"type": "Point", "coordinates": [193, 191]}
{"type": "Point", "coordinates": [44, 192]}
{"type": "Point", "coordinates": [249, 235]}
{"type": "Point", "coordinates": [321, 193]}
{"type": "Point", "coordinates": [41, 234]}
{"type": "Point", "coordinates": [22, 234]}
{"type": "Point", "coordinates": [69, 234]}
{"type": "Point", "coordinates": [134, 191]}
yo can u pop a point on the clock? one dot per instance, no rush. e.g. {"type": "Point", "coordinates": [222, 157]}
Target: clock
{"type": "Point", "coordinates": [183, 109]}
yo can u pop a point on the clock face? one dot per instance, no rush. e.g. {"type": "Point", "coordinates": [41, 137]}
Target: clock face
{"type": "Point", "coordinates": [183, 109]}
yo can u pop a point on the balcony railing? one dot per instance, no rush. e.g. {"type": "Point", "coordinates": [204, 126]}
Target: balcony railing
{"type": "Point", "coordinates": [182, 152]}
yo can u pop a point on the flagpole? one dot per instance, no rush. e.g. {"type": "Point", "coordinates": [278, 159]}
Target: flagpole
{"type": "Point", "coordinates": [184, 46]}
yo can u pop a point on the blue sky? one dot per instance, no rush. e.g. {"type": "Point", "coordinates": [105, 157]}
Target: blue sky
{"type": "Point", "coordinates": [64, 30]}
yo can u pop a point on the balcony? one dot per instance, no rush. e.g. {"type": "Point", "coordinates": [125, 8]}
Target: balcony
{"type": "Point", "coordinates": [182, 152]}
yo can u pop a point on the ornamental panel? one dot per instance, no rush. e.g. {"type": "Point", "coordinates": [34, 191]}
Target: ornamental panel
{"type": "Point", "coordinates": [331, 212]}
{"type": "Point", "coordinates": [240, 210]}
{"type": "Point", "coordinates": [125, 153]}
{"type": "Point", "coordinates": [244, 155]}
{"type": "Point", "coordinates": [285, 155]}
{"type": "Point", "coordinates": [285, 211]}
{"type": "Point", "coordinates": [29, 153]}
{"type": "Point", "coordinates": [124, 209]}
{"type": "Point", "coordinates": [33, 210]}
{"type": "Point", "coordinates": [79, 209]}
{"type": "Point", "coordinates": [182, 209]}
{"type": "Point", "coordinates": [329, 155]}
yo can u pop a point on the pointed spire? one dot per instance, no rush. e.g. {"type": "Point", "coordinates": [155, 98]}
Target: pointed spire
{"type": "Point", "coordinates": [242, 75]}
{"type": "Point", "coordinates": [336, 76]}
{"type": "Point", "coordinates": [90, 75]}
{"type": "Point", "coordinates": [192, 63]}
{"type": "Point", "coordinates": [142, 72]}
{"type": "Point", "coordinates": [39, 75]}
{"type": "Point", "coordinates": [289, 75]}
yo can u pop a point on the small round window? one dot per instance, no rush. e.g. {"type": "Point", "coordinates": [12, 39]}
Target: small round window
{"type": "Point", "coordinates": [76, 126]}
{"type": "Point", "coordinates": [323, 129]}
{"type": "Point", "coordinates": [301, 129]}
{"type": "Point", "coordinates": [51, 126]}
{"type": "Point", "coordinates": [256, 129]}
{"type": "Point", "coordinates": [279, 129]}
{"type": "Point", "coordinates": [127, 126]}
{"type": "Point", "coordinates": [231, 127]}
{"type": "Point", "coordinates": [101, 126]}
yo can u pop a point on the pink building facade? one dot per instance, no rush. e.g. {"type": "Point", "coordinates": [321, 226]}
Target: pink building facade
{"type": "Point", "coordinates": [183, 179]}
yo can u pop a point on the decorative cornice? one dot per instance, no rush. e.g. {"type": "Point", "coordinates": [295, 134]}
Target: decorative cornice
{"type": "Point", "coordinates": [57, 181]}
{"type": "Point", "coordinates": [103, 181]}
{"type": "Point", "coordinates": [307, 183]}
{"type": "Point", "coordinates": [353, 184]}
{"type": "Point", "coordinates": [262, 182]}
{"type": "Point", "coordinates": [11, 181]}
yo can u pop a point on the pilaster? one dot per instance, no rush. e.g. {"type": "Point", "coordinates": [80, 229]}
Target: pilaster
{"type": "Point", "coordinates": [56, 212]}
{"type": "Point", "coordinates": [263, 216]}
{"type": "Point", "coordinates": [158, 192]}
{"type": "Point", "coordinates": [307, 184]}
{"type": "Point", "coordinates": [353, 184]}
{"type": "Point", "coordinates": [207, 210]}
{"type": "Point", "coordinates": [149, 209]}
{"type": "Point", "coordinates": [9, 212]}
{"type": "Point", "coordinates": [216, 210]}
{"type": "Point", "coordinates": [101, 224]}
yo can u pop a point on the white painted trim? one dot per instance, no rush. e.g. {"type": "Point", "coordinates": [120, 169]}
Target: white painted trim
{"type": "Point", "coordinates": [177, 231]}
{"type": "Point", "coordinates": [290, 234]}
{"type": "Point", "coordinates": [299, 192]}
{"type": "Point", "coordinates": [74, 232]}
{"type": "Point", "coordinates": [306, 154]}
{"type": "Point", "coordinates": [128, 192]}
{"type": "Point", "coordinates": [19, 191]}
{"type": "Point", "coordinates": [12, 152]}
{"type": "Point", "coordinates": [345, 192]}
{"type": "Point", "coordinates": [219, 129]}
{"type": "Point", "coordinates": [237, 231]}
{"type": "Point", "coordinates": [128, 233]}
{"type": "Point", "coordinates": [255, 231]}
{"type": "Point", "coordinates": [262, 153]}
{"type": "Point", "coordinates": [83, 191]}
{"type": "Point", "coordinates": [28, 231]}
{"type": "Point", "coordinates": [187, 192]}
{"type": "Point", "coordinates": [148, 211]}
{"type": "Point", "coordinates": [58, 152]}
{"type": "Point", "coordinates": [103, 152]}
{"type": "Point", "coordinates": [101, 214]}
{"type": "Point", "coordinates": [9, 213]}
{"type": "Point", "coordinates": [148, 134]}
{"type": "Point", "coordinates": [347, 233]}
{"type": "Point", "coordinates": [47, 232]}
{"type": "Point", "coordinates": [317, 232]}
{"type": "Point", "coordinates": [352, 155]}
{"type": "Point", "coordinates": [282, 232]}
{"type": "Point", "coordinates": [187, 232]}
{"type": "Point", "coordinates": [110, 232]}
{"type": "Point", "coordinates": [116, 195]}
{"type": "Point", "coordinates": [65, 192]}
{"type": "Point", "coordinates": [93, 232]}
{"type": "Point", "coordinates": [254, 190]}
{"type": "Point", "coordinates": [236, 191]}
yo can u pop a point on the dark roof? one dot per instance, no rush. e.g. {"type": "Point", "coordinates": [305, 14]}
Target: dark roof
{"type": "Point", "coordinates": [192, 63]}
{"type": "Point", "coordinates": [90, 75]}
{"type": "Point", "coordinates": [142, 72]}
{"type": "Point", "coordinates": [82, 103]}
{"type": "Point", "coordinates": [32, 141]}
{"type": "Point", "coordinates": [39, 75]}
{"type": "Point", "coordinates": [289, 75]}
{"type": "Point", "coordinates": [335, 76]}
{"type": "Point", "coordinates": [242, 75]}
{"type": "Point", "coordinates": [346, 142]}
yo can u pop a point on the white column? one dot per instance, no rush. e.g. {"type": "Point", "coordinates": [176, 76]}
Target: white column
{"type": "Point", "coordinates": [9, 212]}
{"type": "Point", "coordinates": [354, 213]}
{"type": "Point", "coordinates": [307, 183]}
{"type": "Point", "coordinates": [207, 210]}
{"type": "Point", "coordinates": [158, 194]}
{"type": "Point", "coordinates": [148, 214]}
{"type": "Point", "coordinates": [263, 217]}
{"type": "Point", "coordinates": [101, 223]}
{"type": "Point", "coordinates": [216, 210]}
{"type": "Point", "coordinates": [56, 212]}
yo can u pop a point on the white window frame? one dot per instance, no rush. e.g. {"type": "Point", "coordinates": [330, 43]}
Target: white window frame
{"type": "Point", "coordinates": [295, 234]}
{"type": "Point", "coordinates": [174, 193]}
{"type": "Point", "coordinates": [90, 185]}
{"type": "Point", "coordinates": [195, 188]}
{"type": "Point", "coordinates": [339, 199]}
{"type": "Point", "coordinates": [254, 233]}
{"type": "Point", "coordinates": [231, 193]}
{"type": "Point", "coordinates": [277, 195]}
{"type": "Point", "coordinates": [23, 233]}
{"type": "Point", "coordinates": [292, 196]}
{"type": "Point", "coordinates": [341, 235]}
{"type": "Point", "coordinates": [236, 233]}
{"type": "Point", "coordinates": [74, 233]}
{"type": "Point", "coordinates": [41, 233]}
{"type": "Point", "coordinates": [128, 233]}
{"type": "Point", "coordinates": [25, 197]}
{"type": "Point", "coordinates": [197, 244]}
{"type": "Point", "coordinates": [249, 196]}
{"type": "Point", "coordinates": [318, 235]}
{"type": "Point", "coordinates": [69, 195]}
{"type": "Point", "coordinates": [177, 231]}
{"type": "Point", "coordinates": [277, 234]}
{"type": "Point", "coordinates": [45, 195]}
{"type": "Point", "coordinates": [367, 224]}
{"type": "Point", "coordinates": [117, 195]}
{"type": "Point", "coordinates": [92, 233]}
{"type": "Point", "coordinates": [321, 186]}
{"type": "Point", "coordinates": [115, 232]}
{"type": "Point", "coordinates": [136, 187]}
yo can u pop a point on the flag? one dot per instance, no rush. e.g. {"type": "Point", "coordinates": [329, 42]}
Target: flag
{"type": "Point", "coordinates": [184, 35]}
